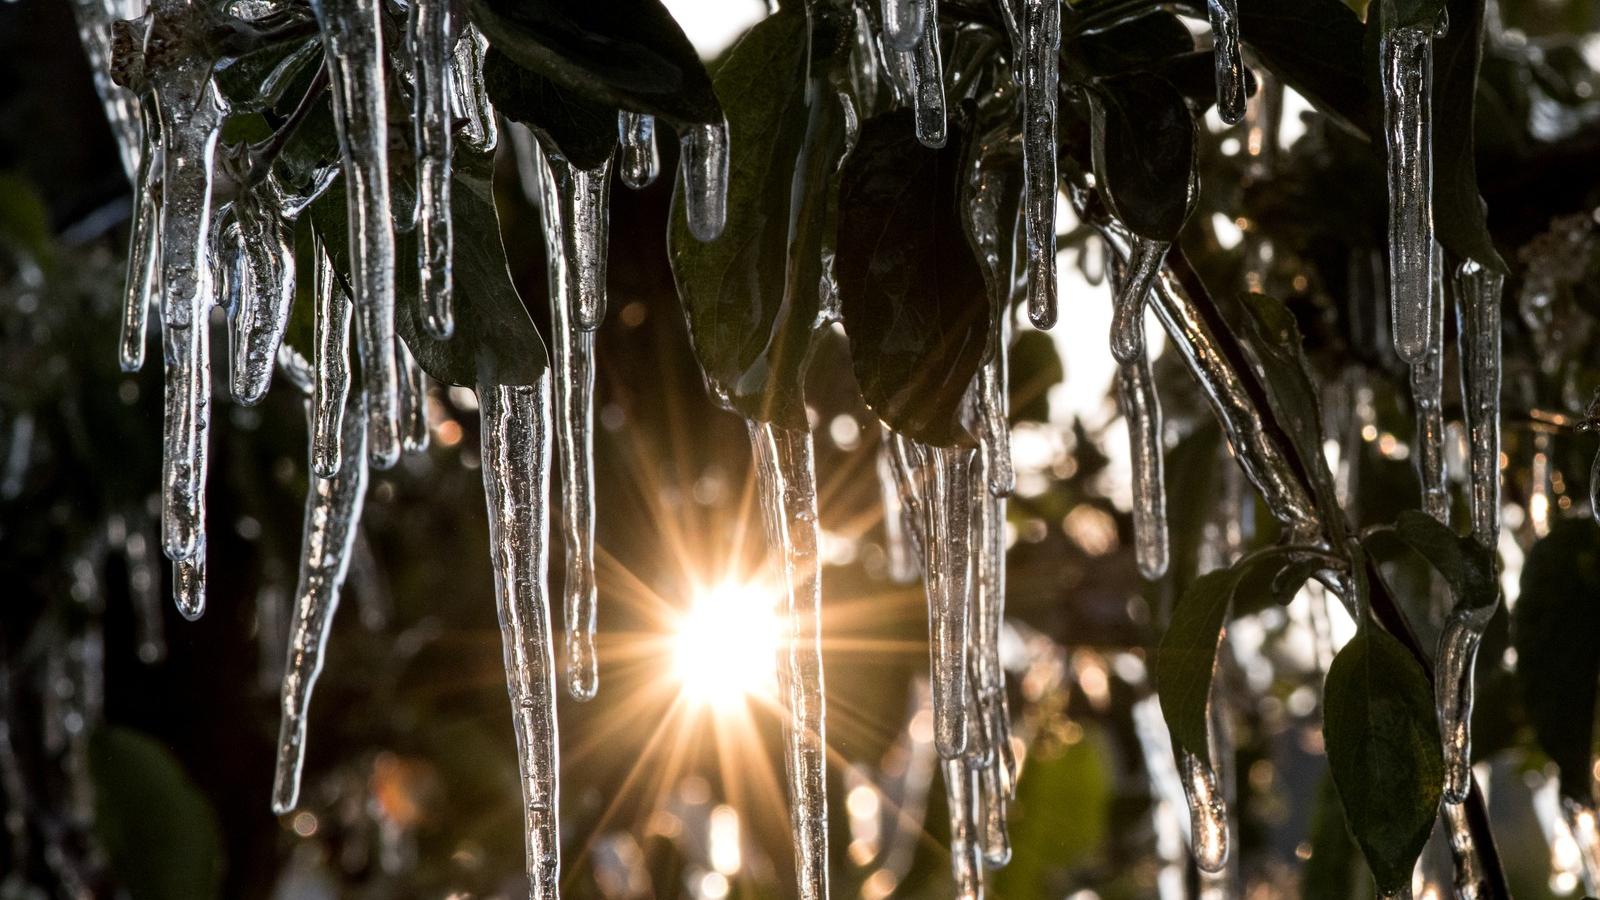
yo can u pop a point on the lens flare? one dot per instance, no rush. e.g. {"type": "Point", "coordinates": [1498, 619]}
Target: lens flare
{"type": "Point", "coordinates": [725, 647]}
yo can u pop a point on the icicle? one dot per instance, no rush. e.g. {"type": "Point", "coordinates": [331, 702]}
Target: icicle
{"type": "Point", "coordinates": [352, 43]}
{"type": "Point", "coordinates": [994, 416]}
{"type": "Point", "coordinates": [185, 425]}
{"type": "Point", "coordinates": [899, 543]}
{"type": "Point", "coordinates": [1208, 813]}
{"type": "Point", "coordinates": [787, 481]}
{"type": "Point", "coordinates": [144, 248]}
{"type": "Point", "coordinates": [1427, 391]}
{"type": "Point", "coordinates": [95, 20]}
{"type": "Point", "coordinates": [927, 79]}
{"type": "Point", "coordinates": [472, 100]}
{"type": "Point", "coordinates": [1406, 63]}
{"type": "Point", "coordinates": [433, 121]}
{"type": "Point", "coordinates": [636, 133]}
{"type": "Point", "coordinates": [1127, 322]}
{"type": "Point", "coordinates": [1041, 35]}
{"type": "Point", "coordinates": [1224, 16]}
{"type": "Point", "coordinates": [573, 204]}
{"type": "Point", "coordinates": [902, 22]}
{"type": "Point", "coordinates": [1478, 317]}
{"type": "Point", "coordinates": [333, 511]}
{"type": "Point", "coordinates": [413, 400]}
{"type": "Point", "coordinates": [266, 289]}
{"type": "Point", "coordinates": [1453, 690]}
{"type": "Point", "coordinates": [1468, 878]}
{"type": "Point", "coordinates": [331, 378]}
{"type": "Point", "coordinates": [704, 161]}
{"type": "Point", "coordinates": [189, 583]}
{"type": "Point", "coordinates": [999, 772]}
{"type": "Point", "coordinates": [1136, 394]}
{"type": "Point", "coordinates": [966, 862]}
{"type": "Point", "coordinates": [516, 480]}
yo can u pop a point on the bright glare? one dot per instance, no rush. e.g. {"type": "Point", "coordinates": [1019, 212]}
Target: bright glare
{"type": "Point", "coordinates": [713, 25]}
{"type": "Point", "coordinates": [726, 646]}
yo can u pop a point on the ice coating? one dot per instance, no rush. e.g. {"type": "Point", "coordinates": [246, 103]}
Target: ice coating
{"type": "Point", "coordinates": [1478, 291]}
{"type": "Point", "coordinates": [186, 424]}
{"type": "Point", "coordinates": [1427, 392]}
{"type": "Point", "coordinates": [1208, 812]}
{"type": "Point", "coordinates": [1453, 692]}
{"type": "Point", "coordinates": [413, 400]}
{"type": "Point", "coordinates": [636, 136]}
{"type": "Point", "coordinates": [994, 422]}
{"type": "Point", "coordinates": [352, 44]}
{"type": "Point", "coordinates": [516, 480]}
{"type": "Point", "coordinates": [1467, 879]}
{"type": "Point", "coordinates": [1224, 16]}
{"type": "Point", "coordinates": [1406, 65]}
{"type": "Point", "coordinates": [966, 861]}
{"type": "Point", "coordinates": [480, 132]}
{"type": "Point", "coordinates": [333, 512]}
{"type": "Point", "coordinates": [1127, 322]}
{"type": "Point", "coordinates": [998, 776]}
{"type": "Point", "coordinates": [433, 122]}
{"type": "Point", "coordinates": [1136, 395]}
{"type": "Point", "coordinates": [787, 484]}
{"type": "Point", "coordinates": [95, 23]}
{"type": "Point", "coordinates": [331, 358]}
{"type": "Point", "coordinates": [1041, 36]}
{"type": "Point", "coordinates": [902, 22]}
{"type": "Point", "coordinates": [927, 80]}
{"type": "Point", "coordinates": [704, 161]}
{"type": "Point", "coordinates": [582, 198]}
{"type": "Point", "coordinates": [265, 284]}
{"type": "Point", "coordinates": [189, 583]}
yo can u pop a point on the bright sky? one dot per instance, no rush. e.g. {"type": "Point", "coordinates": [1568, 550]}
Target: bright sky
{"type": "Point", "coordinates": [713, 25]}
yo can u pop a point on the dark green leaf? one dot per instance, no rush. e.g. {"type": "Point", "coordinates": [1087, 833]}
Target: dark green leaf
{"type": "Point", "coordinates": [1143, 146]}
{"type": "Point", "coordinates": [583, 132]}
{"type": "Point", "coordinates": [1383, 749]}
{"type": "Point", "coordinates": [1553, 629]}
{"type": "Point", "coordinates": [627, 54]}
{"type": "Point", "coordinates": [1140, 43]}
{"type": "Point", "coordinates": [1458, 210]}
{"type": "Point", "coordinates": [155, 825]}
{"type": "Point", "coordinates": [1468, 567]}
{"type": "Point", "coordinates": [913, 295]}
{"type": "Point", "coordinates": [1315, 46]}
{"type": "Point", "coordinates": [752, 295]}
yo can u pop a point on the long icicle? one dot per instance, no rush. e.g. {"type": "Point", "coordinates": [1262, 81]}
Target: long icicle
{"type": "Point", "coordinates": [143, 283]}
{"type": "Point", "coordinates": [573, 204]}
{"type": "Point", "coordinates": [900, 545]}
{"type": "Point", "coordinates": [1453, 688]}
{"type": "Point", "coordinates": [186, 425]}
{"type": "Point", "coordinates": [1427, 392]}
{"type": "Point", "coordinates": [1224, 16]}
{"type": "Point", "coordinates": [966, 862]}
{"type": "Point", "coordinates": [331, 357]}
{"type": "Point", "coordinates": [266, 290]}
{"type": "Point", "coordinates": [927, 80]}
{"type": "Point", "coordinates": [636, 136]}
{"type": "Point", "coordinates": [703, 157]}
{"type": "Point", "coordinates": [333, 510]}
{"type": "Point", "coordinates": [787, 481]}
{"type": "Point", "coordinates": [433, 121]}
{"type": "Point", "coordinates": [1478, 317]}
{"type": "Point", "coordinates": [516, 480]}
{"type": "Point", "coordinates": [1468, 879]}
{"type": "Point", "coordinates": [989, 593]}
{"type": "Point", "coordinates": [1041, 35]}
{"type": "Point", "coordinates": [352, 43]}
{"type": "Point", "coordinates": [1136, 394]}
{"type": "Point", "coordinates": [1406, 65]}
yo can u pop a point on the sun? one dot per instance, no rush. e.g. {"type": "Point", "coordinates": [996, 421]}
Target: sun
{"type": "Point", "coordinates": [725, 646]}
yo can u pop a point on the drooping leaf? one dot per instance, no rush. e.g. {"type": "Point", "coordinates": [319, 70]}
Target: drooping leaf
{"type": "Point", "coordinates": [583, 131]}
{"type": "Point", "coordinates": [912, 292]}
{"type": "Point", "coordinates": [626, 54]}
{"type": "Point", "coordinates": [1383, 748]}
{"type": "Point", "coordinates": [1460, 218]}
{"type": "Point", "coordinates": [1466, 565]}
{"type": "Point", "coordinates": [1553, 629]}
{"type": "Point", "coordinates": [752, 296]}
{"type": "Point", "coordinates": [1143, 147]}
{"type": "Point", "coordinates": [495, 342]}
{"type": "Point", "coordinates": [160, 833]}
{"type": "Point", "coordinates": [1315, 47]}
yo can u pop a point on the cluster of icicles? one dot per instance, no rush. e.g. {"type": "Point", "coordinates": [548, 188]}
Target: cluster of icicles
{"type": "Point", "coordinates": [194, 248]}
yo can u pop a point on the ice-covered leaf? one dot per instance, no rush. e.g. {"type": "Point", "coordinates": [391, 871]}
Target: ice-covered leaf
{"type": "Point", "coordinates": [912, 292]}
{"type": "Point", "coordinates": [1384, 751]}
{"type": "Point", "coordinates": [1464, 563]}
{"type": "Point", "coordinates": [1315, 47]}
{"type": "Point", "coordinates": [627, 54]}
{"type": "Point", "coordinates": [585, 132]}
{"type": "Point", "coordinates": [155, 825]}
{"type": "Point", "coordinates": [1553, 629]}
{"type": "Point", "coordinates": [1143, 147]}
{"type": "Point", "coordinates": [753, 294]}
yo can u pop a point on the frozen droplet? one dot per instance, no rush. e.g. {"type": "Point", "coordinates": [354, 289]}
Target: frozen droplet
{"type": "Point", "coordinates": [704, 160]}
{"type": "Point", "coordinates": [189, 583]}
{"type": "Point", "coordinates": [641, 163]}
{"type": "Point", "coordinates": [1208, 813]}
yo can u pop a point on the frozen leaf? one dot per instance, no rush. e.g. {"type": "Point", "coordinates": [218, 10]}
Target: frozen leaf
{"type": "Point", "coordinates": [1143, 146]}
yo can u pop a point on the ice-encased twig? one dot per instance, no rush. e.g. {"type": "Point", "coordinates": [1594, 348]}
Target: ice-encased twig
{"type": "Point", "coordinates": [1136, 394]}
{"type": "Point", "coordinates": [1453, 689]}
{"type": "Point", "coordinates": [331, 357]}
{"type": "Point", "coordinates": [1406, 66]}
{"type": "Point", "coordinates": [266, 290]}
{"type": "Point", "coordinates": [573, 208]}
{"type": "Point", "coordinates": [1041, 35]}
{"type": "Point", "coordinates": [352, 43]}
{"type": "Point", "coordinates": [787, 483]}
{"type": "Point", "coordinates": [333, 512]}
{"type": "Point", "coordinates": [927, 80]}
{"type": "Point", "coordinates": [1224, 16]}
{"type": "Point", "coordinates": [1478, 321]}
{"type": "Point", "coordinates": [704, 161]}
{"type": "Point", "coordinates": [433, 123]}
{"type": "Point", "coordinates": [961, 787]}
{"type": "Point", "coordinates": [516, 480]}
{"type": "Point", "coordinates": [636, 136]}
{"type": "Point", "coordinates": [481, 132]}
{"type": "Point", "coordinates": [1427, 392]}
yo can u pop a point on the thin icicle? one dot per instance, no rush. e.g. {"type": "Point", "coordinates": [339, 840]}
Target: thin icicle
{"type": "Point", "coordinates": [1453, 692]}
{"type": "Point", "coordinates": [1468, 880]}
{"type": "Point", "coordinates": [899, 542]}
{"type": "Point", "coordinates": [480, 132]}
{"type": "Point", "coordinates": [573, 205]}
{"type": "Point", "coordinates": [266, 289]}
{"type": "Point", "coordinates": [902, 22]}
{"type": "Point", "coordinates": [189, 583]}
{"type": "Point", "coordinates": [704, 161]}
{"type": "Point", "coordinates": [994, 720]}
{"type": "Point", "coordinates": [1041, 36]}
{"type": "Point", "coordinates": [994, 421]}
{"type": "Point", "coordinates": [1427, 392]}
{"type": "Point", "coordinates": [1478, 317]}
{"type": "Point", "coordinates": [966, 861]}
{"type": "Point", "coordinates": [927, 80]}
{"type": "Point", "coordinates": [413, 400]}
{"type": "Point", "coordinates": [1224, 15]}
{"type": "Point", "coordinates": [787, 481]}
{"type": "Point", "coordinates": [143, 283]}
{"type": "Point", "coordinates": [516, 480]}
{"type": "Point", "coordinates": [186, 423]}
{"type": "Point", "coordinates": [95, 22]}
{"type": "Point", "coordinates": [352, 43]}
{"type": "Point", "coordinates": [1127, 321]}
{"type": "Point", "coordinates": [331, 356]}
{"type": "Point", "coordinates": [1136, 395]}
{"type": "Point", "coordinates": [1406, 65]}
{"type": "Point", "coordinates": [636, 134]}
{"type": "Point", "coordinates": [333, 511]}
{"type": "Point", "coordinates": [433, 121]}
{"type": "Point", "coordinates": [1208, 813]}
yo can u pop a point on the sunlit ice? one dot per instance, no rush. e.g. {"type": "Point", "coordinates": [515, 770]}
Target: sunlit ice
{"type": "Point", "coordinates": [725, 645]}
